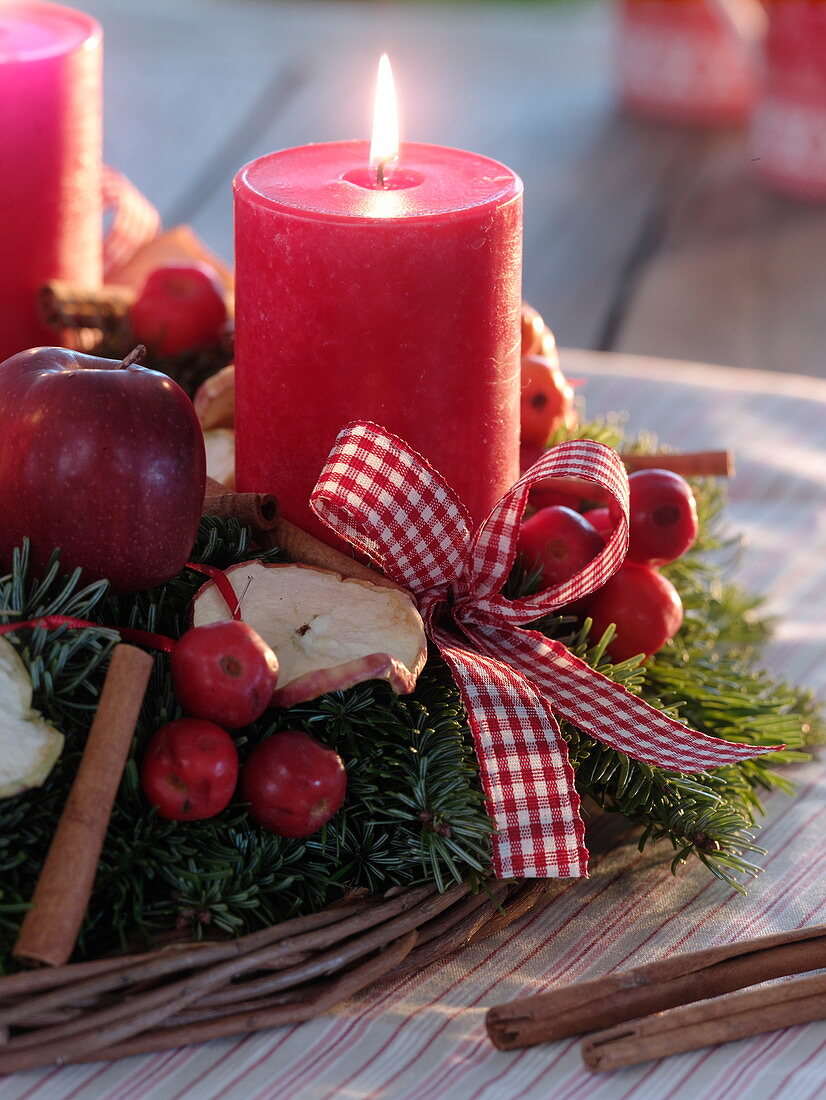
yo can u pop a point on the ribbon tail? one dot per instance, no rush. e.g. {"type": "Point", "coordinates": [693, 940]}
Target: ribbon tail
{"type": "Point", "coordinates": [605, 709]}
{"type": "Point", "coordinates": [523, 759]}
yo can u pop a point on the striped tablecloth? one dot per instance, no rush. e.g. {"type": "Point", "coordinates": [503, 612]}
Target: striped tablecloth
{"type": "Point", "coordinates": [423, 1038]}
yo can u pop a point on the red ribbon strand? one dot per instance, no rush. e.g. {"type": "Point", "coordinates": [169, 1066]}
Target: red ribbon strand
{"type": "Point", "coordinates": [52, 622]}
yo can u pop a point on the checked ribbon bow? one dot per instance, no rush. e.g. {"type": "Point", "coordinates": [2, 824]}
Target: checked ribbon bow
{"type": "Point", "coordinates": [381, 496]}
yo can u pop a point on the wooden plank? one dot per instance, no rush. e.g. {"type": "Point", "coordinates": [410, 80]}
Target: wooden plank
{"type": "Point", "coordinates": [638, 237]}
{"type": "Point", "coordinates": [529, 85]}
{"type": "Point", "coordinates": [183, 82]}
{"type": "Point", "coordinates": [735, 275]}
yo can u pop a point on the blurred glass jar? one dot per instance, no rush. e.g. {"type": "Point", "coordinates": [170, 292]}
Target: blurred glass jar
{"type": "Point", "coordinates": [680, 61]}
{"type": "Point", "coordinates": [789, 124]}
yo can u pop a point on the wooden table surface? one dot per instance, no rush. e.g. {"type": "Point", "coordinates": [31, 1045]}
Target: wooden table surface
{"type": "Point", "coordinates": [638, 237]}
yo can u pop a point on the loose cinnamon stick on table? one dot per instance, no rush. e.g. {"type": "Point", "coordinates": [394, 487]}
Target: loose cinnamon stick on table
{"type": "Point", "coordinates": [692, 1027]}
{"type": "Point", "coordinates": [681, 979]}
{"type": "Point", "coordinates": [687, 464]}
{"type": "Point", "coordinates": [50, 928]}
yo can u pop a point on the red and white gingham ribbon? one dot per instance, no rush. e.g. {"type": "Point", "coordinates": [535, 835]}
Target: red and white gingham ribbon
{"type": "Point", "coordinates": [381, 496]}
{"type": "Point", "coordinates": [135, 221]}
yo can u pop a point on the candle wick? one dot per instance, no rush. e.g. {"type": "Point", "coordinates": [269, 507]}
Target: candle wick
{"type": "Point", "coordinates": [380, 174]}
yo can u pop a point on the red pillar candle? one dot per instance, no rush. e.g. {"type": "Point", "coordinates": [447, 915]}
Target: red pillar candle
{"type": "Point", "coordinates": [50, 167]}
{"type": "Point", "coordinates": [399, 304]}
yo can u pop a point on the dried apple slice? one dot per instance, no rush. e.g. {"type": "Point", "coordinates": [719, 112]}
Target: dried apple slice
{"type": "Point", "coordinates": [214, 400]}
{"type": "Point", "coordinates": [220, 455]}
{"type": "Point", "coordinates": [29, 746]}
{"type": "Point", "coordinates": [328, 632]}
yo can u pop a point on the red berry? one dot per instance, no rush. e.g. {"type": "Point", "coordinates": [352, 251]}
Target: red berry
{"type": "Point", "coordinates": [559, 542]}
{"type": "Point", "coordinates": [179, 308]}
{"type": "Point", "coordinates": [189, 770]}
{"type": "Point", "coordinates": [224, 672]}
{"type": "Point", "coordinates": [547, 400]}
{"type": "Point", "coordinates": [663, 517]}
{"type": "Point", "coordinates": [645, 607]}
{"type": "Point", "coordinates": [293, 783]}
{"type": "Point", "coordinates": [603, 520]}
{"type": "Point", "coordinates": [539, 498]}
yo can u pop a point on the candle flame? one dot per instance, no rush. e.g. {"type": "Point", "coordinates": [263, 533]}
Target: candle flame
{"type": "Point", "coordinates": [384, 148]}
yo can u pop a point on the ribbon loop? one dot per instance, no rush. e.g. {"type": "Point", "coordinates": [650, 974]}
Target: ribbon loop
{"type": "Point", "coordinates": [495, 544]}
{"type": "Point", "coordinates": [383, 497]}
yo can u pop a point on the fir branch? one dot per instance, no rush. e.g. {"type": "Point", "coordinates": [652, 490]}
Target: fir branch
{"type": "Point", "coordinates": [414, 811]}
{"type": "Point", "coordinates": [708, 677]}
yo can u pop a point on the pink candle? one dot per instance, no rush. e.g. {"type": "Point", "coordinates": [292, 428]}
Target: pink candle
{"type": "Point", "coordinates": [398, 304]}
{"type": "Point", "coordinates": [50, 169]}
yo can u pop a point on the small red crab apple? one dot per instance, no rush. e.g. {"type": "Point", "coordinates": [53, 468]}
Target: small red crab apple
{"type": "Point", "coordinates": [603, 520]}
{"type": "Point", "coordinates": [662, 517]}
{"type": "Point", "coordinates": [644, 606]}
{"type": "Point", "coordinates": [179, 308]}
{"type": "Point", "coordinates": [224, 672]}
{"type": "Point", "coordinates": [293, 783]}
{"type": "Point", "coordinates": [546, 400]}
{"type": "Point", "coordinates": [189, 770]}
{"type": "Point", "coordinates": [559, 542]}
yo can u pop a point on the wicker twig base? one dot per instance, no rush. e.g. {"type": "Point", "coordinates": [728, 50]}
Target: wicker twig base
{"type": "Point", "coordinates": [189, 993]}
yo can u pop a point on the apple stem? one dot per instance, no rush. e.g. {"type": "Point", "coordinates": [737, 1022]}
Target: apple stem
{"type": "Point", "coordinates": [136, 355]}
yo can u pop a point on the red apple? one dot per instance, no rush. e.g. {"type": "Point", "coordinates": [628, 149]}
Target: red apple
{"type": "Point", "coordinates": [179, 308]}
{"type": "Point", "coordinates": [559, 542]}
{"type": "Point", "coordinates": [547, 400]}
{"type": "Point", "coordinates": [103, 460]}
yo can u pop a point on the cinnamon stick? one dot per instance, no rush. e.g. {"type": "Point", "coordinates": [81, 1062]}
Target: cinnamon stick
{"type": "Point", "coordinates": [605, 1002]}
{"type": "Point", "coordinates": [256, 510]}
{"type": "Point", "coordinates": [300, 546]}
{"type": "Point", "coordinates": [297, 545]}
{"type": "Point", "coordinates": [695, 1026]}
{"type": "Point", "coordinates": [50, 928]}
{"type": "Point", "coordinates": [688, 464]}
{"type": "Point", "coordinates": [62, 305]}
